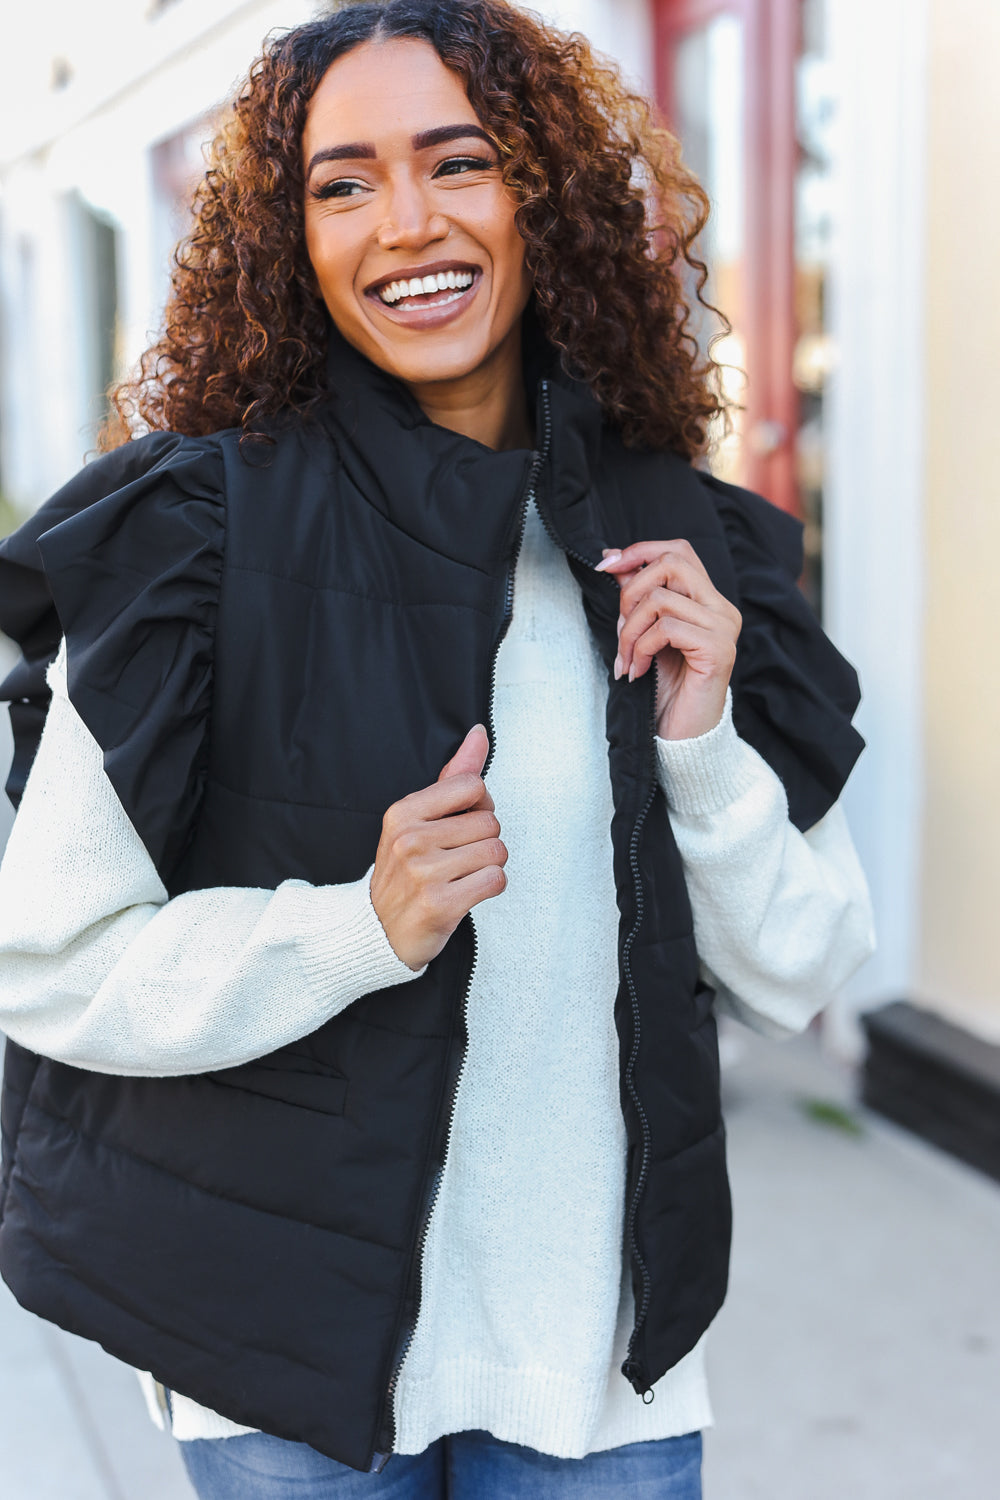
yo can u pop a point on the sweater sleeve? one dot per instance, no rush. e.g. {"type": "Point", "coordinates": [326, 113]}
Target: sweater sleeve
{"type": "Point", "coordinates": [782, 918]}
{"type": "Point", "coordinates": [100, 970]}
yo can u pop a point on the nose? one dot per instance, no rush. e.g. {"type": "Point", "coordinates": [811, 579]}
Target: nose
{"type": "Point", "coordinates": [411, 219]}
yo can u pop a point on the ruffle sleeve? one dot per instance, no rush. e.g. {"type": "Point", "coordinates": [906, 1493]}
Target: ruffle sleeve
{"type": "Point", "coordinates": [794, 695]}
{"type": "Point", "coordinates": [125, 562]}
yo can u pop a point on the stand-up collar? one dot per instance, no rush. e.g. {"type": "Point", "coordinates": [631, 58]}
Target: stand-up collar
{"type": "Point", "coordinates": [448, 490]}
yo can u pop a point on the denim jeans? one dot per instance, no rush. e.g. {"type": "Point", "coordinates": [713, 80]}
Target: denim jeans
{"type": "Point", "coordinates": [464, 1466]}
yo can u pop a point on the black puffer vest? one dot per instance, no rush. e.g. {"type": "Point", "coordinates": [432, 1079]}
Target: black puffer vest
{"type": "Point", "coordinates": [271, 647]}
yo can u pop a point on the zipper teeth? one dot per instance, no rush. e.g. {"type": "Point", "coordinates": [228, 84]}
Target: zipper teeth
{"type": "Point", "coordinates": [508, 613]}
{"type": "Point", "coordinates": [546, 523]}
{"type": "Point", "coordinates": [630, 982]}
{"type": "Point", "coordinates": [630, 1070]}
{"type": "Point", "coordinates": [425, 1227]}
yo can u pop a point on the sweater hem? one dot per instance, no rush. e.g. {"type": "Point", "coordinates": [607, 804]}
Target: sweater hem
{"type": "Point", "coordinates": [548, 1411]}
{"type": "Point", "coordinates": [710, 772]}
{"type": "Point", "coordinates": [344, 940]}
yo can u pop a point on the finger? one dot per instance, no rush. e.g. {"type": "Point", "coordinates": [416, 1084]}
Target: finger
{"type": "Point", "coordinates": [458, 792]}
{"type": "Point", "coordinates": [462, 829]}
{"type": "Point", "coordinates": [449, 865]}
{"type": "Point", "coordinates": [452, 901]}
{"type": "Point", "coordinates": [470, 755]}
{"type": "Point", "coordinates": [470, 891]}
{"type": "Point", "coordinates": [662, 603]}
{"type": "Point", "coordinates": [703, 652]}
{"type": "Point", "coordinates": [673, 571]}
{"type": "Point", "coordinates": [641, 554]}
{"type": "Point", "coordinates": [418, 839]}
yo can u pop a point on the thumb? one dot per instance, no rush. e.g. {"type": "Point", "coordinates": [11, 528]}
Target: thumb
{"type": "Point", "coordinates": [470, 755]}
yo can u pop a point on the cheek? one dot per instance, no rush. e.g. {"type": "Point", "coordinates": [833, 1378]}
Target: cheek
{"type": "Point", "coordinates": [511, 257]}
{"type": "Point", "coordinates": [520, 277]}
{"type": "Point", "coordinates": [330, 263]}
{"type": "Point", "coordinates": [315, 249]}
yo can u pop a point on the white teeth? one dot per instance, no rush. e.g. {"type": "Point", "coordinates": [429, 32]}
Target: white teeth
{"type": "Point", "coordinates": [425, 286]}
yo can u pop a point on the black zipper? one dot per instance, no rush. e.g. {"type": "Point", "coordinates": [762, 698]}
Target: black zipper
{"type": "Point", "coordinates": [387, 1432]}
{"type": "Point", "coordinates": [633, 1369]}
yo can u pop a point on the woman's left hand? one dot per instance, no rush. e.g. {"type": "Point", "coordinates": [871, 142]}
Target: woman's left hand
{"type": "Point", "coordinates": [672, 614]}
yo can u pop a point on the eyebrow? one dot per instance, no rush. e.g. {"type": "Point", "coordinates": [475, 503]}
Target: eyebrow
{"type": "Point", "coordinates": [365, 150]}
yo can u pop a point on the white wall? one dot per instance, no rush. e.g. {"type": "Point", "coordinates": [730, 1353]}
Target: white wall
{"type": "Point", "coordinates": [874, 526]}
{"type": "Point", "coordinates": [135, 82]}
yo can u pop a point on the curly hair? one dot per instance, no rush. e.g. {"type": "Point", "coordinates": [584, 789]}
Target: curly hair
{"type": "Point", "coordinates": [609, 215]}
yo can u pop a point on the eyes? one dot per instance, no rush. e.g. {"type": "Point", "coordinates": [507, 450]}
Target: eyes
{"type": "Point", "coordinates": [452, 166]}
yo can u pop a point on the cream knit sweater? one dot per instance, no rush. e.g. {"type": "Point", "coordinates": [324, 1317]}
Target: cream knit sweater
{"type": "Point", "coordinates": [526, 1305]}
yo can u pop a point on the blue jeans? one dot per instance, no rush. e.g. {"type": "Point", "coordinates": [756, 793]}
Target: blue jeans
{"type": "Point", "coordinates": [464, 1466]}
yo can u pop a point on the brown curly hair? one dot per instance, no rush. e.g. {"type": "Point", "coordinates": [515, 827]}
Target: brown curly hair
{"type": "Point", "coordinates": [609, 214]}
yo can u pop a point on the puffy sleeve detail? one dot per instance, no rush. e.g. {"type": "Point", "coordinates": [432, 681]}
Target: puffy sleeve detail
{"type": "Point", "coordinates": [126, 563]}
{"type": "Point", "coordinates": [794, 695]}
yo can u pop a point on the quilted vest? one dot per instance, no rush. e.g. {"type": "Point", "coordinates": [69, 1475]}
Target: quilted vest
{"type": "Point", "coordinates": [272, 643]}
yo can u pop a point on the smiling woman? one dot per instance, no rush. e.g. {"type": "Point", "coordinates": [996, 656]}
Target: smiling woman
{"type": "Point", "coordinates": [410, 583]}
{"type": "Point", "coordinates": [389, 219]}
{"type": "Point", "coordinates": [582, 160]}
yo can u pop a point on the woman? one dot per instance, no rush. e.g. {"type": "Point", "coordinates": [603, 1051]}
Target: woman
{"type": "Point", "coordinates": [419, 459]}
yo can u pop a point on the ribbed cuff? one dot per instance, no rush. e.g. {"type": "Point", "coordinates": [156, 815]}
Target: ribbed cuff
{"type": "Point", "coordinates": [708, 773]}
{"type": "Point", "coordinates": [343, 947]}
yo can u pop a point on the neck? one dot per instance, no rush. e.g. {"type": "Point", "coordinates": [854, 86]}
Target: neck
{"type": "Point", "coordinates": [489, 405]}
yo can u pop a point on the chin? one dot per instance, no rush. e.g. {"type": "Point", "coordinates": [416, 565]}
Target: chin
{"type": "Point", "coordinates": [416, 366]}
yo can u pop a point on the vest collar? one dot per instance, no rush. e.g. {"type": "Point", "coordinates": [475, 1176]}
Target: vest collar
{"type": "Point", "coordinates": [450, 491]}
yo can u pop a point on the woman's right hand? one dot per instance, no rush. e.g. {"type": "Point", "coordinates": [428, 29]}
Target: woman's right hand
{"type": "Point", "coordinates": [440, 854]}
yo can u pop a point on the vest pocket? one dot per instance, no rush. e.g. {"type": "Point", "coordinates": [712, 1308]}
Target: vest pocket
{"type": "Point", "coordinates": [289, 1078]}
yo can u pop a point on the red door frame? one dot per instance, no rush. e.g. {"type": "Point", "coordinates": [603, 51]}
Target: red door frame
{"type": "Point", "coordinates": [771, 47]}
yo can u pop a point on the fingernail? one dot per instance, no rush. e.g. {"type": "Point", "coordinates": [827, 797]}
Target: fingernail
{"type": "Point", "coordinates": [480, 726]}
{"type": "Point", "coordinates": [631, 673]}
{"type": "Point", "coordinates": [608, 559]}
{"type": "Point", "coordinates": [621, 622]}
{"type": "Point", "coordinates": [619, 667]}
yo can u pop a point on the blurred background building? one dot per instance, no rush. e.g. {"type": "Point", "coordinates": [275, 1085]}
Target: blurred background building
{"type": "Point", "coordinates": [847, 147]}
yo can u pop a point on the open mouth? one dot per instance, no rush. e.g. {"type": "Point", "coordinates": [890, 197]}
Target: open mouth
{"type": "Point", "coordinates": [436, 289]}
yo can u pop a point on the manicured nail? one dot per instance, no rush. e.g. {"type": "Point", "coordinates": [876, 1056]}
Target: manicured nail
{"type": "Point", "coordinates": [606, 561]}
{"type": "Point", "coordinates": [621, 622]}
{"type": "Point", "coordinates": [619, 667]}
{"type": "Point", "coordinates": [631, 673]}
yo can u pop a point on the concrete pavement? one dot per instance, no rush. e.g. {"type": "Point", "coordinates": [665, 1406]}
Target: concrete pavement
{"type": "Point", "coordinates": [857, 1357]}
{"type": "Point", "coordinates": [858, 1354]}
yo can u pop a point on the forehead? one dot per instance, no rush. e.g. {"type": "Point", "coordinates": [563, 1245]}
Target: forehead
{"type": "Point", "coordinates": [384, 91]}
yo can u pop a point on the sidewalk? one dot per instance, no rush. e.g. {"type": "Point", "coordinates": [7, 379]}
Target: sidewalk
{"type": "Point", "coordinates": [858, 1354]}
{"type": "Point", "coordinates": [857, 1357]}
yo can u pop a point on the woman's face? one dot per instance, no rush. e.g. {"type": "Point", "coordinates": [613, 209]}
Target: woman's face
{"type": "Point", "coordinates": [409, 226]}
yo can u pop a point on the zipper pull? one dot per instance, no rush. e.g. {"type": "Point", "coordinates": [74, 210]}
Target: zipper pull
{"type": "Point", "coordinates": [636, 1378]}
